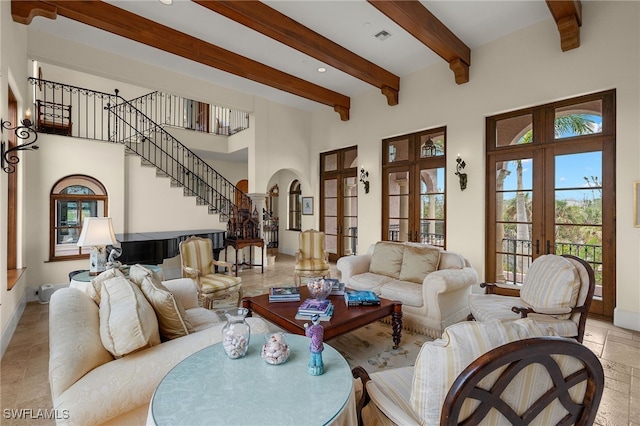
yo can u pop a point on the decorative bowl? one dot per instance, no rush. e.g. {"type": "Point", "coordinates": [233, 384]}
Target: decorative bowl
{"type": "Point", "coordinates": [275, 350]}
{"type": "Point", "coordinates": [319, 289]}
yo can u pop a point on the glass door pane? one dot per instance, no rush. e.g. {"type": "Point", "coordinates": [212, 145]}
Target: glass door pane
{"type": "Point", "coordinates": [350, 216]}
{"type": "Point", "coordinates": [398, 206]}
{"type": "Point", "coordinates": [330, 203]}
{"type": "Point", "coordinates": [514, 211]}
{"type": "Point", "coordinates": [578, 209]}
{"type": "Point", "coordinates": [432, 186]}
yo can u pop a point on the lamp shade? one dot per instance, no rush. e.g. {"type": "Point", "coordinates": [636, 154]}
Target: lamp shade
{"type": "Point", "coordinates": [97, 231]}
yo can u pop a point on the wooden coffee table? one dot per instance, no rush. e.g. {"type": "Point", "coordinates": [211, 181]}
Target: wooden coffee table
{"type": "Point", "coordinates": [344, 319]}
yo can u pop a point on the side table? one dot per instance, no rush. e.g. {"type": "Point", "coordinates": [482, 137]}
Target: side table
{"type": "Point", "coordinates": [239, 244]}
{"type": "Point", "coordinates": [208, 388]}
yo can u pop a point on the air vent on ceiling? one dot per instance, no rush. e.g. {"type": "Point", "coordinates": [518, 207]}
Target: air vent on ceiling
{"type": "Point", "coordinates": [382, 35]}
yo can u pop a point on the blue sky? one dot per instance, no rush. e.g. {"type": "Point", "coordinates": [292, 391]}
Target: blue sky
{"type": "Point", "coordinates": [570, 171]}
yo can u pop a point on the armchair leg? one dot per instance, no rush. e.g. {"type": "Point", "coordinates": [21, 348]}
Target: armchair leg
{"type": "Point", "coordinates": [239, 297]}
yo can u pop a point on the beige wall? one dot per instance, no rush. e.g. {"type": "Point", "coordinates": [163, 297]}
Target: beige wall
{"type": "Point", "coordinates": [13, 68]}
{"type": "Point", "coordinates": [527, 68]}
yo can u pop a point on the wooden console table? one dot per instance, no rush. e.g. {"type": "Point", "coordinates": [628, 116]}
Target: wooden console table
{"type": "Point", "coordinates": [238, 244]}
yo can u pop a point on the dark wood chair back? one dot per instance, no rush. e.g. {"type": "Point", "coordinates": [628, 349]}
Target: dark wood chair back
{"type": "Point", "coordinates": [511, 359]}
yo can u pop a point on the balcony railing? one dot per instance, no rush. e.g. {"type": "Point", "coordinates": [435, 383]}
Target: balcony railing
{"type": "Point", "coordinates": [517, 257]}
{"type": "Point", "coordinates": [425, 237]}
{"type": "Point", "coordinates": [179, 112]}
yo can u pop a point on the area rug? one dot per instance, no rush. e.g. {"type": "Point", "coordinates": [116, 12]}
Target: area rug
{"type": "Point", "coordinates": [370, 347]}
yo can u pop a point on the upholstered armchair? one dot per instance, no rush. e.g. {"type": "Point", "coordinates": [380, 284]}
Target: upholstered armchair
{"type": "Point", "coordinates": [494, 373]}
{"type": "Point", "coordinates": [197, 263]}
{"type": "Point", "coordinates": [312, 260]}
{"type": "Point", "coordinates": [557, 290]}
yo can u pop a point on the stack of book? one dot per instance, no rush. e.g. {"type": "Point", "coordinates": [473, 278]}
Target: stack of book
{"type": "Point", "coordinates": [311, 307]}
{"type": "Point", "coordinates": [284, 294]}
{"type": "Point", "coordinates": [361, 298]}
{"type": "Point", "coordinates": [337, 288]}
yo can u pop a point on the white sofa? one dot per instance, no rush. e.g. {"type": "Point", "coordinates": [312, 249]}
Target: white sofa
{"type": "Point", "coordinates": [432, 284]}
{"type": "Point", "coordinates": [90, 386]}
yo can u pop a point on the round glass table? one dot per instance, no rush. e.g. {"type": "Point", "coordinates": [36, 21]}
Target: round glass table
{"type": "Point", "coordinates": [209, 388]}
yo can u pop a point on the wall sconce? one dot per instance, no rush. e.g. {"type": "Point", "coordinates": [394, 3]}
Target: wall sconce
{"type": "Point", "coordinates": [97, 233]}
{"type": "Point", "coordinates": [9, 157]}
{"type": "Point", "coordinates": [363, 178]}
{"type": "Point", "coordinates": [462, 176]}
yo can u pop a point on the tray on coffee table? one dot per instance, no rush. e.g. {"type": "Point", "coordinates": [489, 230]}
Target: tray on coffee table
{"type": "Point", "coordinates": [345, 318]}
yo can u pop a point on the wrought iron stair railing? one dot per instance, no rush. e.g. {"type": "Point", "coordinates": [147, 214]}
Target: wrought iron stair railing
{"type": "Point", "coordinates": [91, 114]}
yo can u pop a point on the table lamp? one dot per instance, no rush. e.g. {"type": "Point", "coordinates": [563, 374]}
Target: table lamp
{"type": "Point", "coordinates": [97, 233]}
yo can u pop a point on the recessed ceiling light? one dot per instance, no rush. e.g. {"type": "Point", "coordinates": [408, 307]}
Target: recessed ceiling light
{"type": "Point", "coordinates": [167, 2]}
{"type": "Point", "coordinates": [322, 69]}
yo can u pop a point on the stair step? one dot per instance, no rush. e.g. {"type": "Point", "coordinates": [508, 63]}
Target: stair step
{"type": "Point", "coordinates": [160, 173]}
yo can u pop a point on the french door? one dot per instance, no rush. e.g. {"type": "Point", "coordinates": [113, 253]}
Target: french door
{"type": "Point", "coordinates": [551, 189]}
{"type": "Point", "coordinates": [413, 188]}
{"type": "Point", "coordinates": [339, 201]}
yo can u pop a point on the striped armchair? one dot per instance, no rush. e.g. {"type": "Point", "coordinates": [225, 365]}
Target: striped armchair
{"type": "Point", "coordinates": [197, 263]}
{"type": "Point", "coordinates": [494, 373]}
{"type": "Point", "coordinates": [312, 260]}
{"type": "Point", "coordinates": [557, 290]}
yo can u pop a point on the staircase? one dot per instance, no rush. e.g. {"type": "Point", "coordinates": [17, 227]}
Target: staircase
{"type": "Point", "coordinates": [108, 117]}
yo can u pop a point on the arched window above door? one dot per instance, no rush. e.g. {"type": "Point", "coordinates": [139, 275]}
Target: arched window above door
{"type": "Point", "coordinates": [72, 199]}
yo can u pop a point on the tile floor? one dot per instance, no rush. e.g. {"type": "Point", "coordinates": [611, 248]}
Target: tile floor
{"type": "Point", "coordinates": [24, 382]}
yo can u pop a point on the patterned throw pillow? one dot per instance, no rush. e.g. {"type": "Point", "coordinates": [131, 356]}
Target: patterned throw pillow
{"type": "Point", "coordinates": [387, 259]}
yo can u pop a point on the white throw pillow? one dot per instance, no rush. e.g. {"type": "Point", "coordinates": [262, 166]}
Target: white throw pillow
{"type": "Point", "coordinates": [172, 318]}
{"type": "Point", "coordinates": [94, 287]}
{"type": "Point", "coordinates": [418, 262]}
{"type": "Point", "coordinates": [127, 320]}
{"type": "Point", "coordinates": [387, 259]}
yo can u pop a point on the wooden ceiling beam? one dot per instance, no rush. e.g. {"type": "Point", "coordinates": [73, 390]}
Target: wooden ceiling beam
{"type": "Point", "coordinates": [268, 21]}
{"type": "Point", "coordinates": [416, 19]}
{"type": "Point", "coordinates": [568, 17]}
{"type": "Point", "coordinates": [134, 27]}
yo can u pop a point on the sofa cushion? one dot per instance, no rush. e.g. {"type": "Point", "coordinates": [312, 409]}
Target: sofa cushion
{"type": "Point", "coordinates": [407, 292]}
{"type": "Point", "coordinates": [440, 362]}
{"type": "Point", "coordinates": [201, 318]}
{"type": "Point", "coordinates": [387, 259]}
{"type": "Point", "coordinates": [418, 262]}
{"type": "Point", "coordinates": [368, 281]}
{"type": "Point", "coordinates": [552, 282]}
{"type": "Point", "coordinates": [127, 320]}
